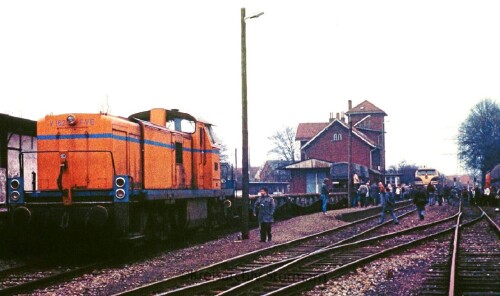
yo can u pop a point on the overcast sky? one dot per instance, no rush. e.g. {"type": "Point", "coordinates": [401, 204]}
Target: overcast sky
{"type": "Point", "coordinates": [425, 63]}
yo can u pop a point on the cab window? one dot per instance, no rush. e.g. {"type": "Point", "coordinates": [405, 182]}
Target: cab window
{"type": "Point", "coordinates": [211, 135]}
{"type": "Point", "coordinates": [181, 125]}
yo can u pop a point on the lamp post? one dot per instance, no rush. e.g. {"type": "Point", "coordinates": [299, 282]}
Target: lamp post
{"type": "Point", "coordinates": [349, 155]}
{"type": "Point", "coordinates": [349, 162]}
{"type": "Point", "coordinates": [244, 127]}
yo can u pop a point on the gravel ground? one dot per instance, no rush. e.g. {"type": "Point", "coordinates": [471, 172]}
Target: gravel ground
{"type": "Point", "coordinates": [112, 280]}
{"type": "Point", "coordinates": [109, 281]}
{"type": "Point", "coordinates": [398, 275]}
{"type": "Point", "coordinates": [401, 274]}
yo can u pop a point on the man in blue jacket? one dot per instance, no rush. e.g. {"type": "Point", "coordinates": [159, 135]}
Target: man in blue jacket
{"type": "Point", "coordinates": [264, 210]}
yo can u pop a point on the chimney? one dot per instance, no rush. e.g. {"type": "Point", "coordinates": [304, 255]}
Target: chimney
{"type": "Point", "coordinates": [158, 116]}
{"type": "Point", "coordinates": [331, 117]}
{"type": "Point", "coordinates": [338, 116]}
{"type": "Point", "coordinates": [342, 116]}
{"type": "Point", "coordinates": [349, 105]}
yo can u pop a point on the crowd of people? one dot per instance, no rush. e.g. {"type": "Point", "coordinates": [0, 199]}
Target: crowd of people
{"type": "Point", "coordinates": [374, 194]}
{"type": "Point", "coordinates": [368, 194]}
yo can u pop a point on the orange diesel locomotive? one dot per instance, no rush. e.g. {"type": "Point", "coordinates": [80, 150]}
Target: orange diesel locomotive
{"type": "Point", "coordinates": [149, 175]}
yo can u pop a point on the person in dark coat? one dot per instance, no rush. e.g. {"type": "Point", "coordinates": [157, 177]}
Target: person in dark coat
{"type": "Point", "coordinates": [264, 210]}
{"type": "Point", "coordinates": [447, 193]}
{"type": "Point", "coordinates": [388, 203]}
{"type": "Point", "coordinates": [440, 193]}
{"type": "Point", "coordinates": [374, 194]}
{"type": "Point", "coordinates": [478, 199]}
{"type": "Point", "coordinates": [420, 199]}
{"type": "Point", "coordinates": [325, 189]}
{"type": "Point", "coordinates": [431, 191]}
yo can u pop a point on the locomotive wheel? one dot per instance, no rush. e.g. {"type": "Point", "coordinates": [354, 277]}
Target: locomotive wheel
{"type": "Point", "coordinates": [166, 222]}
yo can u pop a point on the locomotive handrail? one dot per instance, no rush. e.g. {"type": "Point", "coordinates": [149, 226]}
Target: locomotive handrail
{"type": "Point", "coordinates": [21, 157]}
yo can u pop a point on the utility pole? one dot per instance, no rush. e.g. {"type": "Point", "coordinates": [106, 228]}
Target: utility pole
{"type": "Point", "coordinates": [244, 129]}
{"type": "Point", "coordinates": [245, 200]}
{"type": "Point", "coordinates": [349, 158]}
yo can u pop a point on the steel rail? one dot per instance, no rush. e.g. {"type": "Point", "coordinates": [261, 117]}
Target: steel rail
{"type": "Point", "coordinates": [247, 275]}
{"type": "Point", "coordinates": [454, 281]}
{"type": "Point", "coordinates": [307, 259]}
{"type": "Point", "coordinates": [451, 286]}
{"type": "Point", "coordinates": [44, 281]}
{"type": "Point", "coordinates": [492, 223]}
{"type": "Point", "coordinates": [209, 270]}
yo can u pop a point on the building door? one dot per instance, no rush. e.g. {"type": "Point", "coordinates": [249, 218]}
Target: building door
{"type": "Point", "coordinates": [314, 181]}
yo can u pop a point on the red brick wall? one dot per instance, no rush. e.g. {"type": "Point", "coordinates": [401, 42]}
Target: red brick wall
{"type": "Point", "coordinates": [376, 137]}
{"type": "Point", "coordinates": [376, 121]}
{"type": "Point", "coordinates": [324, 148]}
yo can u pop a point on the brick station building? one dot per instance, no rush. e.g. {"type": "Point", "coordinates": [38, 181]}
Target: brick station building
{"type": "Point", "coordinates": [324, 148]}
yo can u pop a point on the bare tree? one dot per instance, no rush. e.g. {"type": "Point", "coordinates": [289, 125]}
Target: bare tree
{"type": "Point", "coordinates": [105, 107]}
{"type": "Point", "coordinates": [479, 137]}
{"type": "Point", "coordinates": [406, 170]}
{"type": "Point", "coordinates": [284, 146]}
{"type": "Point", "coordinates": [224, 156]}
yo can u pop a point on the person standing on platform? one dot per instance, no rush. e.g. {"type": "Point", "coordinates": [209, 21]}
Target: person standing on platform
{"type": "Point", "coordinates": [363, 194]}
{"type": "Point", "coordinates": [264, 210]}
{"type": "Point", "coordinates": [380, 189]}
{"type": "Point", "coordinates": [325, 190]}
{"type": "Point", "coordinates": [374, 194]}
{"type": "Point", "coordinates": [356, 198]}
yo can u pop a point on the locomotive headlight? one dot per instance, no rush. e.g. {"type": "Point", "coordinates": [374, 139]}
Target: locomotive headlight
{"type": "Point", "coordinates": [14, 196]}
{"type": "Point", "coordinates": [71, 119]}
{"type": "Point", "coordinates": [120, 182]}
{"type": "Point", "coordinates": [14, 184]}
{"type": "Point", "coordinates": [120, 193]}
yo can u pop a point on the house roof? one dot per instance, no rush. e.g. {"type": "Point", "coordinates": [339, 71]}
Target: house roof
{"type": "Point", "coordinates": [355, 132]}
{"type": "Point", "coordinates": [276, 164]}
{"type": "Point", "coordinates": [366, 107]}
{"type": "Point", "coordinates": [309, 164]}
{"type": "Point", "coordinates": [306, 131]}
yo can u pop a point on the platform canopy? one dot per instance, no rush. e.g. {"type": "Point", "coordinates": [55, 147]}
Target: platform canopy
{"type": "Point", "coordinates": [309, 164]}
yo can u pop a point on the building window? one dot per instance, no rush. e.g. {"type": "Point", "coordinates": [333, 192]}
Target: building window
{"type": "Point", "coordinates": [337, 137]}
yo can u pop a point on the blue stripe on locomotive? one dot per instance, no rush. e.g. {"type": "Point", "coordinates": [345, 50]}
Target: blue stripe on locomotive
{"type": "Point", "coordinates": [121, 138]}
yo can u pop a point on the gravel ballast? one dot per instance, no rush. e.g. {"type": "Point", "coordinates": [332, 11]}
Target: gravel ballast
{"type": "Point", "coordinates": [112, 280]}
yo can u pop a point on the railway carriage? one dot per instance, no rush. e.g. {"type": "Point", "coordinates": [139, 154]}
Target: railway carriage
{"type": "Point", "coordinates": [17, 135]}
{"type": "Point", "coordinates": [152, 174]}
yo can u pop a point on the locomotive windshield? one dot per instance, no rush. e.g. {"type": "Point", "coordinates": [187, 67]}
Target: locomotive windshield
{"type": "Point", "coordinates": [182, 125]}
{"type": "Point", "coordinates": [426, 172]}
{"type": "Point", "coordinates": [211, 135]}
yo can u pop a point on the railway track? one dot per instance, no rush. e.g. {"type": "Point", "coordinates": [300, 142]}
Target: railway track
{"type": "Point", "coordinates": [29, 277]}
{"type": "Point", "coordinates": [493, 214]}
{"type": "Point", "coordinates": [474, 260]}
{"type": "Point", "coordinates": [322, 265]}
{"type": "Point", "coordinates": [476, 264]}
{"type": "Point", "coordinates": [256, 263]}
{"type": "Point", "coordinates": [19, 277]}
